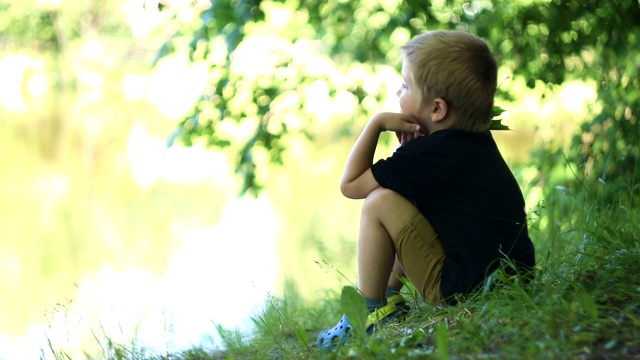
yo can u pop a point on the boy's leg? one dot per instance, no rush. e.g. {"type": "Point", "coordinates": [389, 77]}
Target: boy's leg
{"type": "Point", "coordinates": [376, 259]}
{"type": "Point", "coordinates": [397, 272]}
{"type": "Point", "coordinates": [391, 224]}
{"type": "Point", "coordinates": [384, 214]}
{"type": "Point", "coordinates": [376, 253]}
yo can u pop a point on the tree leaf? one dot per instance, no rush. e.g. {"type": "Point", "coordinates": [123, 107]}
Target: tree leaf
{"type": "Point", "coordinates": [498, 125]}
{"type": "Point", "coordinates": [497, 111]}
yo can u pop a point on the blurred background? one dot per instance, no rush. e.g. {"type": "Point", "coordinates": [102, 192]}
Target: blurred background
{"type": "Point", "coordinates": [169, 165]}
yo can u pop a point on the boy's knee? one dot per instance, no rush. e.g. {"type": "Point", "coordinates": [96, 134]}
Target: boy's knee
{"type": "Point", "coordinates": [380, 199]}
{"type": "Point", "coordinates": [391, 208]}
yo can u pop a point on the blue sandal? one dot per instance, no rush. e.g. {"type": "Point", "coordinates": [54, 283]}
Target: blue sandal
{"type": "Point", "coordinates": [337, 336]}
{"type": "Point", "coordinates": [396, 307]}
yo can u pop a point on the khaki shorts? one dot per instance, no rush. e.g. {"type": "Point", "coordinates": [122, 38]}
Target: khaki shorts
{"type": "Point", "coordinates": [421, 254]}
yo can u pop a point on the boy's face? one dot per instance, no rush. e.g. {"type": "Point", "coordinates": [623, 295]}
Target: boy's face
{"type": "Point", "coordinates": [409, 95]}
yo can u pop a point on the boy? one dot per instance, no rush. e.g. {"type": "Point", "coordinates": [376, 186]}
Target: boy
{"type": "Point", "coordinates": [444, 210]}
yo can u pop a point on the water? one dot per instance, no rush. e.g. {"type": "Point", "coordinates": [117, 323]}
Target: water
{"type": "Point", "coordinates": [212, 271]}
{"type": "Point", "coordinates": [105, 233]}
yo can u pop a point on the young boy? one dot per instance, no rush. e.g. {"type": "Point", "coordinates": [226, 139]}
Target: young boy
{"type": "Point", "coordinates": [444, 210]}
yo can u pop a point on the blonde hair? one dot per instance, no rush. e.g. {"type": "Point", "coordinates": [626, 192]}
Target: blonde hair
{"type": "Point", "coordinates": [459, 68]}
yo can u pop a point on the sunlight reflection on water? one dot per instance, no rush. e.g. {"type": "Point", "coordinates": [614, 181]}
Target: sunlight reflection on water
{"type": "Point", "coordinates": [219, 275]}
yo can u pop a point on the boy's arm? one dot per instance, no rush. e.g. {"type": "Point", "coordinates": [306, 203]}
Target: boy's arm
{"type": "Point", "coordinates": [357, 180]}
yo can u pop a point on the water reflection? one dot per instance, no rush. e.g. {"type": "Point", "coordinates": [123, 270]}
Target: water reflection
{"type": "Point", "coordinates": [222, 274]}
{"type": "Point", "coordinates": [142, 242]}
{"type": "Point", "coordinates": [218, 276]}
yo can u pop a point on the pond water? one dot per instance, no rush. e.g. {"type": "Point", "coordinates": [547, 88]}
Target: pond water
{"type": "Point", "coordinates": [105, 233]}
{"type": "Point", "coordinates": [159, 253]}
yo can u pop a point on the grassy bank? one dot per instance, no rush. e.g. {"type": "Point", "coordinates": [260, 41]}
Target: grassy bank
{"type": "Point", "coordinates": [583, 304]}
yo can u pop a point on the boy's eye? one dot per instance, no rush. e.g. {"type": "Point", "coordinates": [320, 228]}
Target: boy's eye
{"type": "Point", "coordinates": [404, 86]}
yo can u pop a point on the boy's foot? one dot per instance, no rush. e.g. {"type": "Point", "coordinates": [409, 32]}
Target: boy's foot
{"type": "Point", "coordinates": [396, 307]}
{"type": "Point", "coordinates": [331, 338]}
{"type": "Point", "coordinates": [400, 302]}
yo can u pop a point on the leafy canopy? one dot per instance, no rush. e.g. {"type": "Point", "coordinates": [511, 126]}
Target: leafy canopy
{"type": "Point", "coordinates": [328, 50]}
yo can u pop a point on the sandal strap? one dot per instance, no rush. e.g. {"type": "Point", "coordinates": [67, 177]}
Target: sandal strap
{"type": "Point", "coordinates": [380, 314]}
{"type": "Point", "coordinates": [396, 299]}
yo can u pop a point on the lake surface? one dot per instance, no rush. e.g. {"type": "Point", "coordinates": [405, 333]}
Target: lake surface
{"type": "Point", "coordinates": [154, 252]}
{"type": "Point", "coordinates": [106, 233]}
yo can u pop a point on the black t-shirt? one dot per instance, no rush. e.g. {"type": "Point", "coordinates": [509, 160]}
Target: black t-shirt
{"type": "Point", "coordinates": [462, 185]}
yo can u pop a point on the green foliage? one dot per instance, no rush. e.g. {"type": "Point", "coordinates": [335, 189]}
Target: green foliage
{"type": "Point", "coordinates": [354, 306]}
{"type": "Point", "coordinates": [553, 41]}
{"type": "Point", "coordinates": [51, 26]}
{"type": "Point", "coordinates": [352, 39]}
{"type": "Point", "coordinates": [542, 41]}
{"type": "Point", "coordinates": [497, 124]}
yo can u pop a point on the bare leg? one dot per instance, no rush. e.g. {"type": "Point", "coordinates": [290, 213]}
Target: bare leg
{"type": "Point", "coordinates": [376, 255]}
{"type": "Point", "coordinates": [384, 213]}
{"type": "Point", "coordinates": [396, 274]}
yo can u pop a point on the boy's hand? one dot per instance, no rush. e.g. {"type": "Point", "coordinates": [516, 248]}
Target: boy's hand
{"type": "Point", "coordinates": [357, 180]}
{"type": "Point", "coordinates": [405, 137]}
{"type": "Point", "coordinates": [406, 127]}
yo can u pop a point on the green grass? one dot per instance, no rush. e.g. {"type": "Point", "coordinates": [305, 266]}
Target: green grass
{"type": "Point", "coordinates": [583, 304]}
{"type": "Point", "coordinates": [574, 315]}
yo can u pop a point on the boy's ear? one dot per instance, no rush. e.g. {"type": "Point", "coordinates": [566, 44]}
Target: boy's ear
{"type": "Point", "coordinates": [439, 110]}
